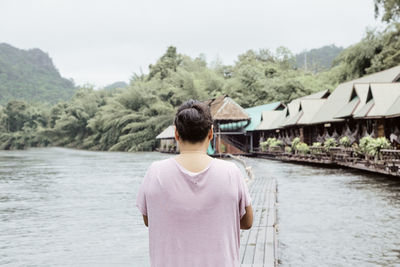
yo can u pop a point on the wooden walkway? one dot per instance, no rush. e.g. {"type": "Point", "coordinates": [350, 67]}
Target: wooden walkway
{"type": "Point", "coordinates": [258, 245]}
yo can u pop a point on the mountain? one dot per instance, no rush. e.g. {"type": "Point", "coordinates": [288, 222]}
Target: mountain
{"type": "Point", "coordinates": [115, 85]}
{"type": "Point", "coordinates": [318, 59]}
{"type": "Point", "coordinates": [31, 75]}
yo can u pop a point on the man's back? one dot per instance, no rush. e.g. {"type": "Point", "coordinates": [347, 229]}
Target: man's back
{"type": "Point", "coordinates": [194, 218]}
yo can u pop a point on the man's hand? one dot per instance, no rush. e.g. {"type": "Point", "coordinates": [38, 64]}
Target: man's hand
{"type": "Point", "coordinates": [247, 220]}
{"type": "Point", "coordinates": [145, 220]}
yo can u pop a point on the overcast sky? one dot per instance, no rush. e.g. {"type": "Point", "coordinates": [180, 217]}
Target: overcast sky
{"type": "Point", "coordinates": [100, 42]}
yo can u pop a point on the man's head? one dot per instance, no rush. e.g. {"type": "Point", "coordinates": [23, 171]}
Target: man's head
{"type": "Point", "coordinates": [193, 122]}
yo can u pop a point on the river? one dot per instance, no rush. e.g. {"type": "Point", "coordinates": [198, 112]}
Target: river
{"type": "Point", "coordinates": [64, 207]}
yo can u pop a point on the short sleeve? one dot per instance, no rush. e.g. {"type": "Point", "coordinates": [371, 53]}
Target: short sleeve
{"type": "Point", "coordinates": [141, 202]}
{"type": "Point", "coordinates": [244, 195]}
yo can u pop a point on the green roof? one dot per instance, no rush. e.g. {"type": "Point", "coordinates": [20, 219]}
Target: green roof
{"type": "Point", "coordinates": [255, 114]}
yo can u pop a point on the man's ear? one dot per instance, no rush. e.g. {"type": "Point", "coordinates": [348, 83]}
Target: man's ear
{"type": "Point", "coordinates": [176, 135]}
{"type": "Point", "coordinates": [211, 132]}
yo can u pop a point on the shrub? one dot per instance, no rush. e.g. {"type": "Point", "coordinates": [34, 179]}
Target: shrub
{"type": "Point", "coordinates": [374, 148]}
{"type": "Point", "coordinates": [295, 142]}
{"type": "Point", "coordinates": [345, 141]}
{"type": "Point", "coordinates": [288, 149]}
{"type": "Point", "coordinates": [302, 148]}
{"type": "Point", "coordinates": [329, 143]}
{"type": "Point", "coordinates": [317, 144]}
{"type": "Point", "coordinates": [365, 143]}
{"type": "Point", "coordinates": [269, 143]}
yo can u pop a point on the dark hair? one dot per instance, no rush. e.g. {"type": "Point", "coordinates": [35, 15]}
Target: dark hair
{"type": "Point", "coordinates": [193, 121]}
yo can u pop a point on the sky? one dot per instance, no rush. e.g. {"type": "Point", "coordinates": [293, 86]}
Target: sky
{"type": "Point", "coordinates": [100, 42]}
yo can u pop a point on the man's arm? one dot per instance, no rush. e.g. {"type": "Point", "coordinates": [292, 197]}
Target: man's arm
{"type": "Point", "coordinates": [247, 220]}
{"type": "Point", "coordinates": [145, 220]}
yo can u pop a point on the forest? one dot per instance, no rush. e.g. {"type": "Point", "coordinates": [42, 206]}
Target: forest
{"type": "Point", "coordinates": [129, 118]}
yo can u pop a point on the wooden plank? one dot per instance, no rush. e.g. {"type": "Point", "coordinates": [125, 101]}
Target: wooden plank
{"type": "Point", "coordinates": [269, 259]}
{"type": "Point", "coordinates": [258, 245]}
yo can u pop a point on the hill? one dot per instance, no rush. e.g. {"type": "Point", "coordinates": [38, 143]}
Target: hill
{"type": "Point", "coordinates": [31, 75]}
{"type": "Point", "coordinates": [318, 59]}
{"type": "Point", "coordinates": [115, 85]}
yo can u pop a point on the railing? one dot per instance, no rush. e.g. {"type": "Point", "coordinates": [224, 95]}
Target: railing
{"type": "Point", "coordinates": [388, 161]}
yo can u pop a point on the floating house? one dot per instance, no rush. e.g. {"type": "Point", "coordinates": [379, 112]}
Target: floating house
{"type": "Point", "coordinates": [288, 123]}
{"type": "Point", "coordinates": [246, 136]}
{"type": "Point", "coordinates": [369, 105]}
{"type": "Point", "coordinates": [167, 140]}
{"type": "Point", "coordinates": [364, 106]}
{"type": "Point", "coordinates": [224, 110]}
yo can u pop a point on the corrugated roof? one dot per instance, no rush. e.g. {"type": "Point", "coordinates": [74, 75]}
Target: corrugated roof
{"type": "Point", "coordinates": [168, 132]}
{"type": "Point", "coordinates": [340, 96]}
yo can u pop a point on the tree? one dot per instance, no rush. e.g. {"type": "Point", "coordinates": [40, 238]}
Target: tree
{"type": "Point", "coordinates": [390, 9]}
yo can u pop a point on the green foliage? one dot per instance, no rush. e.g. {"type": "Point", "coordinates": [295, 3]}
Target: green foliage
{"type": "Point", "coordinates": [317, 144]}
{"type": "Point", "coordinates": [302, 148]}
{"type": "Point", "coordinates": [365, 144]}
{"type": "Point", "coordinates": [345, 141]}
{"type": "Point", "coordinates": [270, 142]}
{"type": "Point", "coordinates": [329, 143]}
{"type": "Point", "coordinates": [391, 9]}
{"type": "Point", "coordinates": [295, 142]}
{"type": "Point", "coordinates": [31, 76]}
{"type": "Point", "coordinates": [375, 52]}
{"type": "Point", "coordinates": [372, 146]}
{"type": "Point", "coordinates": [318, 59]}
{"type": "Point", "coordinates": [288, 149]}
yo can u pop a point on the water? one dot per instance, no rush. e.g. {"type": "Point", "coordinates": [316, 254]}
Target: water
{"type": "Point", "coordinates": [335, 217]}
{"type": "Point", "coordinates": [63, 207]}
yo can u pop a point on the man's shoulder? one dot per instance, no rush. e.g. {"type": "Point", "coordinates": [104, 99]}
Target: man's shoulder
{"type": "Point", "coordinates": [229, 165]}
{"type": "Point", "coordinates": [161, 162]}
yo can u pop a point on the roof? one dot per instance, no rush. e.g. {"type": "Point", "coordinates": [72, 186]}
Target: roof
{"type": "Point", "coordinates": [168, 133]}
{"type": "Point", "coordinates": [310, 107]}
{"type": "Point", "coordinates": [381, 99]}
{"type": "Point", "coordinates": [272, 119]}
{"type": "Point", "coordinates": [307, 110]}
{"type": "Point", "coordinates": [256, 113]}
{"type": "Point", "coordinates": [294, 107]}
{"type": "Point", "coordinates": [357, 98]}
{"type": "Point", "coordinates": [394, 110]}
{"type": "Point", "coordinates": [318, 95]}
{"type": "Point", "coordinates": [340, 96]}
{"type": "Point", "coordinates": [224, 108]}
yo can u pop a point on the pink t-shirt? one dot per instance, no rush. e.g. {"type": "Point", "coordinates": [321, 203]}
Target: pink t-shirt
{"type": "Point", "coordinates": [194, 218]}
